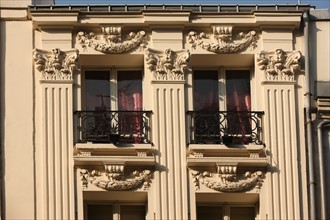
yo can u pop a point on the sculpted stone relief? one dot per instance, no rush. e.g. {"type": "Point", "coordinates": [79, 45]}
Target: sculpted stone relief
{"type": "Point", "coordinates": [56, 64]}
{"type": "Point", "coordinates": [225, 41]}
{"type": "Point", "coordinates": [114, 178]}
{"type": "Point", "coordinates": [110, 41]}
{"type": "Point", "coordinates": [280, 65]}
{"type": "Point", "coordinates": [168, 65]}
{"type": "Point", "coordinates": [226, 180]}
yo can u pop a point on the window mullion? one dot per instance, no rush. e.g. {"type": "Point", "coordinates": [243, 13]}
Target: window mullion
{"type": "Point", "coordinates": [113, 89]}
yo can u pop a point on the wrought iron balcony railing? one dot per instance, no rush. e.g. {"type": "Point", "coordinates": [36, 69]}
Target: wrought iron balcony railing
{"type": "Point", "coordinates": [113, 126]}
{"type": "Point", "coordinates": [225, 127]}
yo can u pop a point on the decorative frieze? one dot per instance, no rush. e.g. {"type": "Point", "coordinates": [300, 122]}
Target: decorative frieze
{"type": "Point", "coordinates": [114, 178]}
{"type": "Point", "coordinates": [56, 64]}
{"type": "Point", "coordinates": [109, 41]}
{"type": "Point", "coordinates": [224, 40]}
{"type": "Point", "coordinates": [227, 180]}
{"type": "Point", "coordinates": [279, 65]}
{"type": "Point", "coordinates": [168, 65]}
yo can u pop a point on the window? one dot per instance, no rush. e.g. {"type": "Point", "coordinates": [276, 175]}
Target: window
{"type": "Point", "coordinates": [218, 212]}
{"type": "Point", "coordinates": [222, 106]}
{"type": "Point", "coordinates": [109, 211]}
{"type": "Point", "coordinates": [113, 104]}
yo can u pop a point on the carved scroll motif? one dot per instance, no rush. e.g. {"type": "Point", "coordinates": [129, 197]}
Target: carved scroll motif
{"type": "Point", "coordinates": [110, 41]}
{"type": "Point", "coordinates": [113, 179]}
{"type": "Point", "coordinates": [226, 180]}
{"type": "Point", "coordinates": [168, 65]}
{"type": "Point", "coordinates": [56, 64]}
{"type": "Point", "coordinates": [279, 65]}
{"type": "Point", "coordinates": [225, 41]}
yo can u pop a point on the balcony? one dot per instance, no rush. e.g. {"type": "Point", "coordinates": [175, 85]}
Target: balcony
{"type": "Point", "coordinates": [117, 127]}
{"type": "Point", "coordinates": [225, 127]}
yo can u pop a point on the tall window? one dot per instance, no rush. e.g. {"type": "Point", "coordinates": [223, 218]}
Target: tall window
{"type": "Point", "coordinates": [109, 211]}
{"type": "Point", "coordinates": [218, 212]}
{"type": "Point", "coordinates": [97, 90]}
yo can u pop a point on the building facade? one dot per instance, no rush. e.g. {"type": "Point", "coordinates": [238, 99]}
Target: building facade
{"type": "Point", "coordinates": [164, 111]}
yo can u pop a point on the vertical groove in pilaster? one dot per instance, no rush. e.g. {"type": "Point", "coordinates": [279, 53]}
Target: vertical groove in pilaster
{"type": "Point", "coordinates": [159, 197]}
{"type": "Point", "coordinates": [45, 166]}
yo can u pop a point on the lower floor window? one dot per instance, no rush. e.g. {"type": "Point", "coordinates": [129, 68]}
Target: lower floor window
{"type": "Point", "coordinates": [219, 212]}
{"type": "Point", "coordinates": [113, 211]}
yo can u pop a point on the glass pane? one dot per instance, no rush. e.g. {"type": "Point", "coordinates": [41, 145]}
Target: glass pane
{"type": "Point", "coordinates": [132, 212]}
{"type": "Point", "coordinates": [209, 213]}
{"type": "Point", "coordinates": [129, 90]}
{"type": "Point", "coordinates": [97, 90]}
{"type": "Point", "coordinates": [242, 213]}
{"type": "Point", "coordinates": [99, 212]}
{"type": "Point", "coordinates": [206, 96]}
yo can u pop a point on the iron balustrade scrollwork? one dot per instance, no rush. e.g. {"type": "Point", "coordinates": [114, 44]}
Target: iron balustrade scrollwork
{"type": "Point", "coordinates": [225, 127]}
{"type": "Point", "coordinates": [113, 126]}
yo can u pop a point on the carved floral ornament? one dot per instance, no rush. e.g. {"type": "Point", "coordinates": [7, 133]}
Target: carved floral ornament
{"type": "Point", "coordinates": [280, 65]}
{"type": "Point", "coordinates": [226, 179]}
{"type": "Point", "coordinates": [110, 41]}
{"type": "Point", "coordinates": [223, 40]}
{"type": "Point", "coordinates": [56, 64]}
{"type": "Point", "coordinates": [167, 64]}
{"type": "Point", "coordinates": [114, 178]}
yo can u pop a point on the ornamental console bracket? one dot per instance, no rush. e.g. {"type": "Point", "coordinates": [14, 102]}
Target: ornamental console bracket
{"type": "Point", "coordinates": [280, 65]}
{"type": "Point", "coordinates": [227, 180]}
{"type": "Point", "coordinates": [110, 41]}
{"type": "Point", "coordinates": [167, 64]}
{"type": "Point", "coordinates": [114, 178]}
{"type": "Point", "coordinates": [224, 41]}
{"type": "Point", "coordinates": [56, 64]}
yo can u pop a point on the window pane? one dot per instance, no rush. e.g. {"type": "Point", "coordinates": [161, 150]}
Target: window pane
{"type": "Point", "coordinates": [238, 90]}
{"type": "Point", "coordinates": [97, 90]}
{"type": "Point", "coordinates": [209, 212]}
{"type": "Point", "coordinates": [132, 212]}
{"type": "Point", "coordinates": [99, 212]}
{"type": "Point", "coordinates": [206, 96]}
{"type": "Point", "coordinates": [129, 90]}
{"type": "Point", "coordinates": [242, 213]}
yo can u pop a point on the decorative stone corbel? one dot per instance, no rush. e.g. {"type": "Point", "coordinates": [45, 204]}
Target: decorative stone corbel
{"type": "Point", "coordinates": [279, 65]}
{"type": "Point", "coordinates": [113, 178]}
{"type": "Point", "coordinates": [109, 41]}
{"type": "Point", "coordinates": [168, 65]}
{"type": "Point", "coordinates": [56, 64]}
{"type": "Point", "coordinates": [225, 41]}
{"type": "Point", "coordinates": [227, 180]}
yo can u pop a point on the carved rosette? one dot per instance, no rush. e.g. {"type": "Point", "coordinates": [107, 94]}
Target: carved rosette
{"type": "Point", "coordinates": [280, 65]}
{"type": "Point", "coordinates": [110, 41]}
{"type": "Point", "coordinates": [226, 180]}
{"type": "Point", "coordinates": [224, 40]}
{"type": "Point", "coordinates": [56, 64]}
{"type": "Point", "coordinates": [168, 65]}
{"type": "Point", "coordinates": [113, 179]}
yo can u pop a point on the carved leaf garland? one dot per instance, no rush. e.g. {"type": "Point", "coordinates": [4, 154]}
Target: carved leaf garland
{"type": "Point", "coordinates": [56, 64]}
{"type": "Point", "coordinates": [109, 42]}
{"type": "Point", "coordinates": [279, 65]}
{"type": "Point", "coordinates": [225, 43]}
{"type": "Point", "coordinates": [115, 181]}
{"type": "Point", "coordinates": [228, 182]}
{"type": "Point", "coordinates": [168, 65]}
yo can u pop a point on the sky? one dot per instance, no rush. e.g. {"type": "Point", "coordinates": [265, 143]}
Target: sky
{"type": "Point", "coordinates": [318, 3]}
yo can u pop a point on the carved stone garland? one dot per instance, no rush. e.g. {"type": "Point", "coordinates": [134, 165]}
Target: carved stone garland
{"type": "Point", "coordinates": [109, 42]}
{"type": "Point", "coordinates": [113, 178]}
{"type": "Point", "coordinates": [168, 65]}
{"type": "Point", "coordinates": [279, 65]}
{"type": "Point", "coordinates": [56, 64]}
{"type": "Point", "coordinates": [226, 180]}
{"type": "Point", "coordinates": [225, 41]}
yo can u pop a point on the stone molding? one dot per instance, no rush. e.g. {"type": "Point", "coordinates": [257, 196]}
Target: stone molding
{"type": "Point", "coordinates": [227, 180]}
{"type": "Point", "coordinates": [113, 178]}
{"type": "Point", "coordinates": [280, 65]}
{"type": "Point", "coordinates": [225, 41]}
{"type": "Point", "coordinates": [168, 65]}
{"type": "Point", "coordinates": [56, 64]}
{"type": "Point", "coordinates": [109, 42]}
